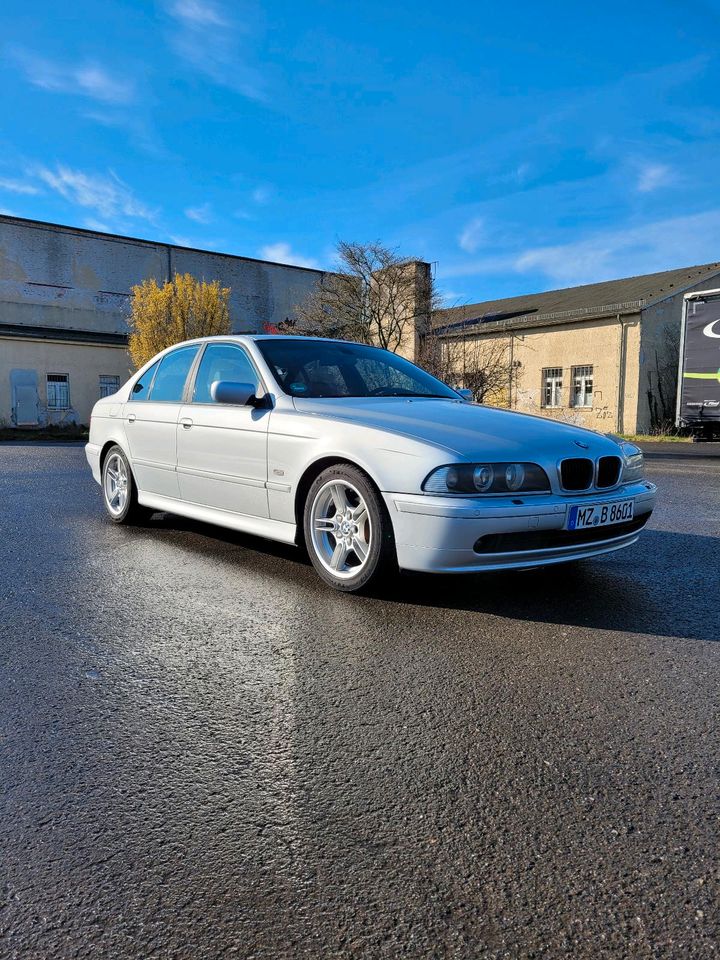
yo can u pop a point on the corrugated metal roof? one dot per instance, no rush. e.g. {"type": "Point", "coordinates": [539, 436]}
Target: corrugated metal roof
{"type": "Point", "coordinates": [629, 294]}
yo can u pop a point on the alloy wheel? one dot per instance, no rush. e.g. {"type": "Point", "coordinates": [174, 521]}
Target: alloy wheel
{"type": "Point", "coordinates": [116, 484]}
{"type": "Point", "coordinates": [341, 528]}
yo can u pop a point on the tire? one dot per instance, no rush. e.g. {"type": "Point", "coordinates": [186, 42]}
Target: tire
{"type": "Point", "coordinates": [119, 489]}
{"type": "Point", "coordinates": [348, 532]}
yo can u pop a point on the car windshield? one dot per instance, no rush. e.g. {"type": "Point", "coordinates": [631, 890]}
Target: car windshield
{"type": "Point", "coordinates": [333, 368]}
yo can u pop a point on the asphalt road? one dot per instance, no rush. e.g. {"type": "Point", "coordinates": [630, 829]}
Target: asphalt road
{"type": "Point", "coordinates": [205, 753]}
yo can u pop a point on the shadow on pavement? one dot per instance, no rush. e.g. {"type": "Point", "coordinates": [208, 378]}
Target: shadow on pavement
{"type": "Point", "coordinates": [664, 585]}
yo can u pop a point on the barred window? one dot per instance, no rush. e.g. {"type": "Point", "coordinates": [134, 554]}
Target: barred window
{"type": "Point", "coordinates": [58, 391]}
{"type": "Point", "coordinates": [582, 386]}
{"type": "Point", "coordinates": [552, 387]}
{"type": "Point", "coordinates": [108, 385]}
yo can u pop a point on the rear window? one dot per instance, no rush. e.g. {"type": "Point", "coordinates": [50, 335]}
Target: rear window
{"type": "Point", "coordinates": [141, 390]}
{"type": "Point", "coordinates": [169, 383]}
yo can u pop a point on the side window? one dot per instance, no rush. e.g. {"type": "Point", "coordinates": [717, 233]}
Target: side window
{"type": "Point", "coordinates": [223, 361]}
{"type": "Point", "coordinates": [141, 390]}
{"type": "Point", "coordinates": [58, 391]}
{"type": "Point", "coordinates": [582, 386]}
{"type": "Point", "coordinates": [552, 387]}
{"type": "Point", "coordinates": [109, 384]}
{"type": "Point", "coordinates": [170, 379]}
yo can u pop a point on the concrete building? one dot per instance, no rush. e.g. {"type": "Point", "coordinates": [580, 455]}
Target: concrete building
{"type": "Point", "coordinates": [64, 305]}
{"type": "Point", "coordinates": [603, 355]}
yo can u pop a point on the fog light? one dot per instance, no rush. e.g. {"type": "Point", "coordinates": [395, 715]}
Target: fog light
{"type": "Point", "coordinates": [514, 476]}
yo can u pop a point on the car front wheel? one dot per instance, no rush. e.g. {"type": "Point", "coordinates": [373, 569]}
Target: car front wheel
{"type": "Point", "coordinates": [348, 533]}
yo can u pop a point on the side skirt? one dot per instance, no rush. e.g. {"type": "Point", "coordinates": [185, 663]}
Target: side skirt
{"type": "Point", "coordinates": [258, 526]}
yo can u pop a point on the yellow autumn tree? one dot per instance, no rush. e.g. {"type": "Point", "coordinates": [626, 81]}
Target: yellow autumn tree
{"type": "Point", "coordinates": [181, 309]}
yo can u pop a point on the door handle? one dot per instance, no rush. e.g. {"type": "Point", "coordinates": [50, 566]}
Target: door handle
{"type": "Point", "coordinates": [186, 422]}
{"type": "Point", "coordinates": [131, 418]}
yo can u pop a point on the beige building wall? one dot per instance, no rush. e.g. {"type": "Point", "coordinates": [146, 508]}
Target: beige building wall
{"type": "Point", "coordinates": [611, 345]}
{"type": "Point", "coordinates": [22, 360]}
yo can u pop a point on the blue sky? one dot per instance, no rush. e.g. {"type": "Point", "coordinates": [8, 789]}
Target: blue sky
{"type": "Point", "coordinates": [519, 147]}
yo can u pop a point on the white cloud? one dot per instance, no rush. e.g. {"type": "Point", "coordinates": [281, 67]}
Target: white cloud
{"type": "Point", "coordinates": [652, 176]}
{"type": "Point", "coordinates": [198, 12]}
{"type": "Point", "coordinates": [88, 79]}
{"type": "Point", "coordinates": [202, 214]}
{"type": "Point", "coordinates": [282, 252]}
{"type": "Point", "coordinates": [608, 254]}
{"type": "Point", "coordinates": [472, 236]}
{"type": "Point", "coordinates": [92, 224]}
{"type": "Point", "coordinates": [208, 39]}
{"type": "Point", "coordinates": [262, 195]}
{"type": "Point", "coordinates": [195, 243]}
{"type": "Point", "coordinates": [450, 298]}
{"type": "Point", "coordinates": [18, 186]}
{"type": "Point", "coordinates": [517, 176]}
{"type": "Point", "coordinates": [107, 195]}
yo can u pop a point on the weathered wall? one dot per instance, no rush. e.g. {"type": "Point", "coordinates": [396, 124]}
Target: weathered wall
{"type": "Point", "coordinates": [73, 280]}
{"type": "Point", "coordinates": [418, 310]}
{"type": "Point", "coordinates": [597, 342]}
{"type": "Point", "coordinates": [83, 363]}
{"type": "Point", "coordinates": [61, 277]}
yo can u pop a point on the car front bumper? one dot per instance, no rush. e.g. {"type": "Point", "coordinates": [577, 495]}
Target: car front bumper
{"type": "Point", "coordinates": [441, 534]}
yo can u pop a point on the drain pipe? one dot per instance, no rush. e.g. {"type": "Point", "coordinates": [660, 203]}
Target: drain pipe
{"type": "Point", "coordinates": [510, 371]}
{"type": "Point", "coordinates": [622, 360]}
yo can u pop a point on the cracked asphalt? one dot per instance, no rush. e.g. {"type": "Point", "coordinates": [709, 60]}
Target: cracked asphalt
{"type": "Point", "coordinates": [205, 753]}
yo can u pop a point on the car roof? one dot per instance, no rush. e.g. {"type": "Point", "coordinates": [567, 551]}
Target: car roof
{"type": "Point", "coordinates": [268, 336]}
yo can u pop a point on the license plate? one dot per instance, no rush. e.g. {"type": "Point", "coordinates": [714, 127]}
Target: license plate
{"type": "Point", "coordinates": [583, 516]}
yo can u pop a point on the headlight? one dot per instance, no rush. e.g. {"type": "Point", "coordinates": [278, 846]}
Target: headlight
{"type": "Point", "coordinates": [483, 476]}
{"type": "Point", "coordinates": [633, 462]}
{"type": "Point", "coordinates": [514, 476]}
{"type": "Point", "coordinates": [487, 478]}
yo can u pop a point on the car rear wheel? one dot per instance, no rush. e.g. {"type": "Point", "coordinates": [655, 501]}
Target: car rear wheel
{"type": "Point", "coordinates": [119, 490]}
{"type": "Point", "coordinates": [348, 533]}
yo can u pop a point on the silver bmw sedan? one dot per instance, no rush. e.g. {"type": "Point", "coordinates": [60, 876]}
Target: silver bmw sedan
{"type": "Point", "coordinates": [361, 457]}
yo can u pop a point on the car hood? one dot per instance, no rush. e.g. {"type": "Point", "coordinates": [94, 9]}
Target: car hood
{"type": "Point", "coordinates": [469, 429]}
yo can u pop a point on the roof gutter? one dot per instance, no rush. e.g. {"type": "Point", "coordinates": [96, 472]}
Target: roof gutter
{"type": "Point", "coordinates": [558, 318]}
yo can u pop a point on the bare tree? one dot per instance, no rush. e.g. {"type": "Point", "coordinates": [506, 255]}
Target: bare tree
{"type": "Point", "coordinates": [375, 297]}
{"type": "Point", "coordinates": [482, 365]}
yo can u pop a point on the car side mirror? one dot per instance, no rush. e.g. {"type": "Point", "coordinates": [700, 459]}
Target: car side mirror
{"type": "Point", "coordinates": [227, 391]}
{"type": "Point", "coordinates": [466, 394]}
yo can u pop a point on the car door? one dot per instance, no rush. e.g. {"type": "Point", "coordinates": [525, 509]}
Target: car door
{"type": "Point", "coordinates": [151, 416]}
{"type": "Point", "coordinates": [222, 448]}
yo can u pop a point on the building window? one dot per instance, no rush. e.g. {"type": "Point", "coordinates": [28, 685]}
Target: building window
{"type": "Point", "coordinates": [58, 391]}
{"type": "Point", "coordinates": [582, 387]}
{"type": "Point", "coordinates": [552, 387]}
{"type": "Point", "coordinates": [108, 385]}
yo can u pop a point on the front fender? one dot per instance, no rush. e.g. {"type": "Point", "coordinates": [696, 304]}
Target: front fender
{"type": "Point", "coordinates": [297, 442]}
